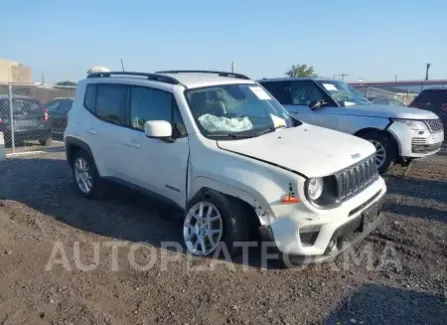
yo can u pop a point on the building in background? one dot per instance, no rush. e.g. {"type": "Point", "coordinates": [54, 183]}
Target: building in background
{"type": "Point", "coordinates": [14, 72]}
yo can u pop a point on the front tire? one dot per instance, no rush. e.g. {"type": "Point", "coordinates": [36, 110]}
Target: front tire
{"type": "Point", "coordinates": [88, 183]}
{"type": "Point", "coordinates": [213, 219]}
{"type": "Point", "coordinates": [386, 150]}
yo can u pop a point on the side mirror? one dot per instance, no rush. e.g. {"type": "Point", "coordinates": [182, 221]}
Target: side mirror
{"type": "Point", "coordinates": [315, 104]}
{"type": "Point", "coordinates": [158, 129]}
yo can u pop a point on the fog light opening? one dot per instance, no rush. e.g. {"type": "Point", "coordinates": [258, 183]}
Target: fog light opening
{"type": "Point", "coordinates": [332, 246]}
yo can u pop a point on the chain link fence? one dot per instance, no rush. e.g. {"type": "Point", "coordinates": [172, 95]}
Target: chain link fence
{"type": "Point", "coordinates": [434, 100]}
{"type": "Point", "coordinates": [33, 117]}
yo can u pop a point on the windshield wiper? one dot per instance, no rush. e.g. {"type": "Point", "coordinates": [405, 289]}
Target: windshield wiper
{"type": "Point", "coordinates": [271, 129]}
{"type": "Point", "coordinates": [231, 135]}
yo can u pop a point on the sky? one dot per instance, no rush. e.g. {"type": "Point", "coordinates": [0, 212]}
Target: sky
{"type": "Point", "coordinates": [368, 40]}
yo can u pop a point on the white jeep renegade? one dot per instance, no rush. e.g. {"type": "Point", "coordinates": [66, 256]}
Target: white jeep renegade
{"type": "Point", "coordinates": [219, 147]}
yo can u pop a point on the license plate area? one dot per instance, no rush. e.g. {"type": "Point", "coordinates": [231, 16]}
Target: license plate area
{"type": "Point", "coordinates": [369, 216]}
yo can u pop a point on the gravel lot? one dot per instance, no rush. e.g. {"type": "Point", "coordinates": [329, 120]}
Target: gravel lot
{"type": "Point", "coordinates": [405, 282]}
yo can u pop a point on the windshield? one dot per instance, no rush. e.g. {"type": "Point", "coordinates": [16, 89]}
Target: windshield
{"type": "Point", "coordinates": [344, 94]}
{"type": "Point", "coordinates": [234, 111]}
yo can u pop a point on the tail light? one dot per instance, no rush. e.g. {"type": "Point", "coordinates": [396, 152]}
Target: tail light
{"type": "Point", "coordinates": [45, 115]}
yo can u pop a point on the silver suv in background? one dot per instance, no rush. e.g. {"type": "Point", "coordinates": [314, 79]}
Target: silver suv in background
{"type": "Point", "coordinates": [400, 134]}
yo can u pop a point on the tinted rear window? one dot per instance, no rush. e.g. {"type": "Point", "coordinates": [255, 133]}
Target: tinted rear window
{"type": "Point", "coordinates": [26, 106]}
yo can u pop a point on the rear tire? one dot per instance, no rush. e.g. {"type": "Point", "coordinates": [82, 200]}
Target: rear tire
{"type": "Point", "coordinates": [88, 183]}
{"type": "Point", "coordinates": [386, 154]}
{"type": "Point", "coordinates": [231, 216]}
{"type": "Point", "coordinates": [45, 142]}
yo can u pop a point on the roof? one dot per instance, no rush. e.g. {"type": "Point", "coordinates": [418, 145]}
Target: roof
{"type": "Point", "coordinates": [294, 78]}
{"type": "Point", "coordinates": [187, 78]}
{"type": "Point", "coordinates": [197, 80]}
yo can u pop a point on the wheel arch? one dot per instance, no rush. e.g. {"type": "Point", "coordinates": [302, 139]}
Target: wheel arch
{"type": "Point", "coordinates": [362, 132]}
{"type": "Point", "coordinates": [261, 212]}
{"type": "Point", "coordinates": [72, 146]}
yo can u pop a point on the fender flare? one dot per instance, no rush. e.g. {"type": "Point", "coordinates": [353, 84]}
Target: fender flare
{"type": "Point", "coordinates": [71, 142]}
{"type": "Point", "coordinates": [259, 205]}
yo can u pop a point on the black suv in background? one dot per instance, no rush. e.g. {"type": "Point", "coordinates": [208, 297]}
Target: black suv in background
{"type": "Point", "coordinates": [435, 100]}
{"type": "Point", "coordinates": [31, 120]}
{"type": "Point", "coordinates": [58, 109]}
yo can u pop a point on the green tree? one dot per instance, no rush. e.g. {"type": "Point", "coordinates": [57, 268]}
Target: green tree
{"type": "Point", "coordinates": [301, 70]}
{"type": "Point", "coordinates": [66, 83]}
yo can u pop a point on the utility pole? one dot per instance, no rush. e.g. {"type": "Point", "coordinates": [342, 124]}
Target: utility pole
{"type": "Point", "coordinates": [334, 76]}
{"type": "Point", "coordinates": [395, 78]}
{"type": "Point", "coordinates": [343, 75]}
{"type": "Point", "coordinates": [122, 65]}
{"type": "Point", "coordinates": [426, 70]}
{"type": "Point", "coordinates": [232, 66]}
{"type": "Point", "coordinates": [43, 79]}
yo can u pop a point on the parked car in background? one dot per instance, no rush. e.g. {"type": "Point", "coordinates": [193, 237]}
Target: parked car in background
{"type": "Point", "coordinates": [58, 110]}
{"type": "Point", "coordinates": [400, 134]}
{"type": "Point", "coordinates": [434, 100]}
{"type": "Point", "coordinates": [223, 151]}
{"type": "Point", "coordinates": [386, 101]}
{"type": "Point", "coordinates": [30, 120]}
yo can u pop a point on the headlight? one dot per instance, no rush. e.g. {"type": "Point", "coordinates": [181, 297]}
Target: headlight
{"type": "Point", "coordinates": [413, 124]}
{"type": "Point", "coordinates": [315, 188]}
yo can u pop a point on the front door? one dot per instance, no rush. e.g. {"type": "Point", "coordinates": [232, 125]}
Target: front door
{"type": "Point", "coordinates": [154, 164]}
{"type": "Point", "coordinates": [302, 94]}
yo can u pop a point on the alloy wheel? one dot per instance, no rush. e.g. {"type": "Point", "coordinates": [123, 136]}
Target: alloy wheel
{"type": "Point", "coordinates": [203, 228]}
{"type": "Point", "coordinates": [83, 175]}
{"type": "Point", "coordinates": [380, 153]}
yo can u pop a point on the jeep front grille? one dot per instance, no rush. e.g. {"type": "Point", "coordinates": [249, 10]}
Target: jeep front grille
{"type": "Point", "coordinates": [435, 125]}
{"type": "Point", "coordinates": [356, 178]}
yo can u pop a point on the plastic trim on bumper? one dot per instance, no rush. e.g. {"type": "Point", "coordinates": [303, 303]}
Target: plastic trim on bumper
{"type": "Point", "coordinates": [346, 230]}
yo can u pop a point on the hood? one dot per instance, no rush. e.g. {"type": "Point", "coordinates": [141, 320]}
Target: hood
{"type": "Point", "coordinates": [390, 112]}
{"type": "Point", "coordinates": [307, 149]}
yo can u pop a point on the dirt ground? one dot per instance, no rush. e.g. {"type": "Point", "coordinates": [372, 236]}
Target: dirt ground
{"type": "Point", "coordinates": [49, 238]}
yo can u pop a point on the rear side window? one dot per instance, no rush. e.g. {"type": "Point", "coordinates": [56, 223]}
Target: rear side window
{"type": "Point", "coordinates": [65, 105]}
{"type": "Point", "coordinates": [111, 103]}
{"type": "Point", "coordinates": [90, 98]}
{"type": "Point", "coordinates": [280, 90]}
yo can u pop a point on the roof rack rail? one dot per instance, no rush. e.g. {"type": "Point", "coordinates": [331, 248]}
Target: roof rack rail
{"type": "Point", "coordinates": [219, 73]}
{"type": "Point", "coordinates": [150, 76]}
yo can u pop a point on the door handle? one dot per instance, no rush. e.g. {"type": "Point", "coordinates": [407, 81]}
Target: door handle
{"type": "Point", "coordinates": [132, 144]}
{"type": "Point", "coordinates": [92, 131]}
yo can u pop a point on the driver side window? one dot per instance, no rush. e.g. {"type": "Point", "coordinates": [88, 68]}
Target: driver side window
{"type": "Point", "coordinates": [304, 92]}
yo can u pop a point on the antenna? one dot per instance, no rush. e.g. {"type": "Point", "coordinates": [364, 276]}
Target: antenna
{"type": "Point", "coordinates": [122, 65]}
